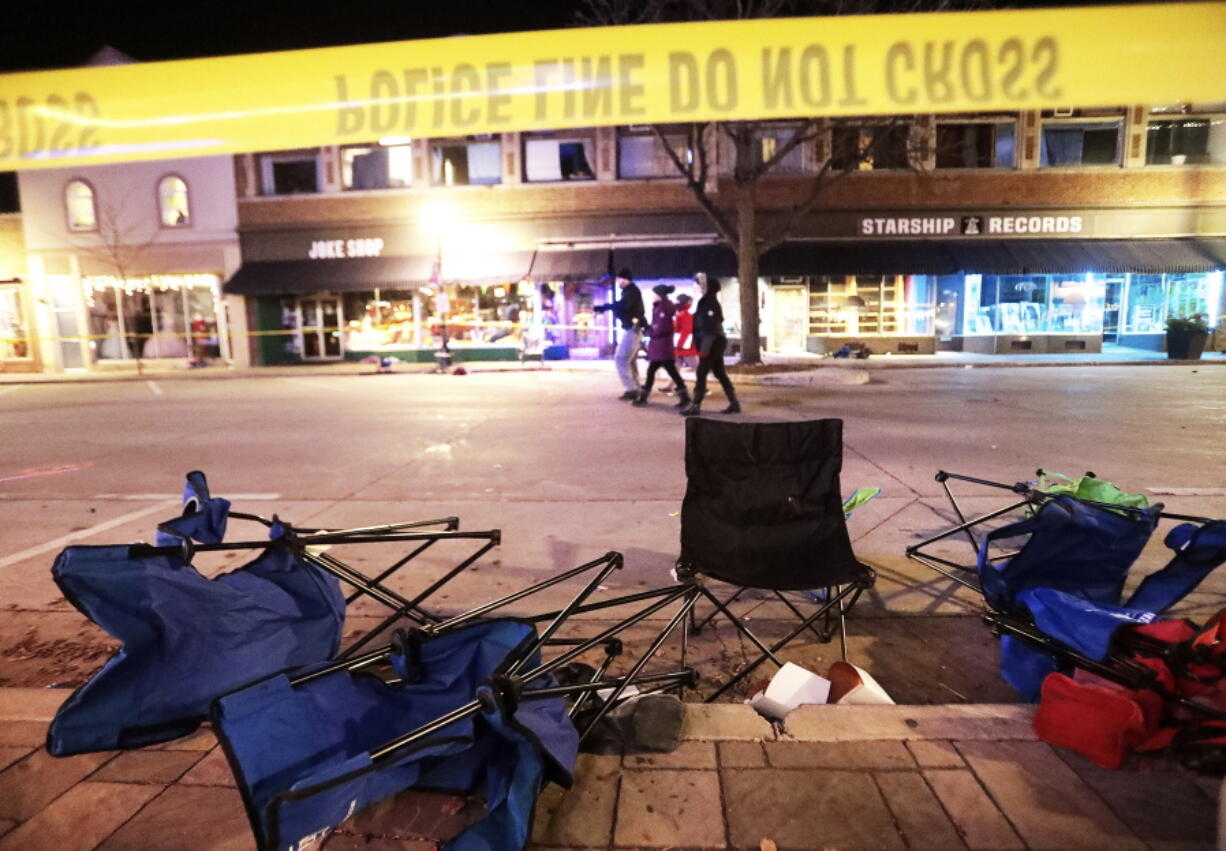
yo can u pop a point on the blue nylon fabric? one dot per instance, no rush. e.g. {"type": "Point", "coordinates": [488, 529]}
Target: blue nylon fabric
{"type": "Point", "coordinates": [300, 754]}
{"type": "Point", "coordinates": [1024, 667]}
{"type": "Point", "coordinates": [1198, 550]}
{"type": "Point", "coordinates": [1082, 624]}
{"type": "Point", "coordinates": [1073, 547]}
{"type": "Point", "coordinates": [186, 639]}
{"type": "Point", "coordinates": [204, 518]}
{"type": "Point", "coordinates": [1069, 576]}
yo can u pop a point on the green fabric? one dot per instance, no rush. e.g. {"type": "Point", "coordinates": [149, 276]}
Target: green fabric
{"type": "Point", "coordinates": [861, 496]}
{"type": "Point", "coordinates": [1095, 490]}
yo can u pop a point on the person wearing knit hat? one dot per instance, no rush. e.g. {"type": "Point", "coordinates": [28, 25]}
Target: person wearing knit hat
{"type": "Point", "coordinates": [660, 346]}
{"type": "Point", "coordinates": [628, 310]}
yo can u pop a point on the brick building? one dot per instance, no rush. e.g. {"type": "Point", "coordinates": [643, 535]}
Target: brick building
{"type": "Point", "coordinates": [1055, 231]}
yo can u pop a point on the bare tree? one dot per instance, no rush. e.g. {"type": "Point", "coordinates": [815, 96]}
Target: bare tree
{"type": "Point", "coordinates": [118, 244]}
{"type": "Point", "coordinates": [734, 209]}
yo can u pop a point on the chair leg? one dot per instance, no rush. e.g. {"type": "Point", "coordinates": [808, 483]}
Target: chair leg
{"type": "Point", "coordinates": [852, 591]}
{"type": "Point", "coordinates": [822, 635]}
{"type": "Point", "coordinates": [699, 626]}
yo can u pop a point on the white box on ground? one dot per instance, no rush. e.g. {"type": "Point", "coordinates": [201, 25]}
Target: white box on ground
{"type": "Point", "coordinates": [789, 688]}
{"type": "Point", "coordinates": [850, 684]}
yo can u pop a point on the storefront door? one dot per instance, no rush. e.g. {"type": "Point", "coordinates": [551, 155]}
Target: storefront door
{"type": "Point", "coordinates": [1111, 309]}
{"type": "Point", "coordinates": [789, 319]}
{"type": "Point", "coordinates": [320, 328]}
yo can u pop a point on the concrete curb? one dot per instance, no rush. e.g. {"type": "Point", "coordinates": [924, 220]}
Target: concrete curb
{"type": "Point", "coordinates": [735, 722]}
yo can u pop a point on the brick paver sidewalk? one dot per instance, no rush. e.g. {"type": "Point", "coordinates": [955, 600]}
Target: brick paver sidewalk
{"type": "Point", "coordinates": [941, 777]}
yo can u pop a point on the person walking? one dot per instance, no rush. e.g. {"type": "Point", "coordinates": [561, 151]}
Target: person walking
{"type": "Point", "coordinates": [683, 333]}
{"type": "Point", "coordinates": [628, 311]}
{"type": "Point", "coordinates": [660, 347]}
{"type": "Point", "coordinates": [711, 341]}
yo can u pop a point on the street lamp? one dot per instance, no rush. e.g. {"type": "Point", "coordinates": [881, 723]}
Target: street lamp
{"type": "Point", "coordinates": [438, 217]}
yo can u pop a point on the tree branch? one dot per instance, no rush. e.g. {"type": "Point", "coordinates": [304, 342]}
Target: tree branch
{"type": "Point", "coordinates": [699, 190]}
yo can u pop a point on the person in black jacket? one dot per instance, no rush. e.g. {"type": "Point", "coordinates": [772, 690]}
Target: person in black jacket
{"type": "Point", "coordinates": [711, 341]}
{"type": "Point", "coordinates": [629, 312]}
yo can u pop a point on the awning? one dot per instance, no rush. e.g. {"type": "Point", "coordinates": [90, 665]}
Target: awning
{"type": "Point", "coordinates": [675, 261]}
{"type": "Point", "coordinates": [297, 277]}
{"type": "Point", "coordinates": [1078, 256]}
{"type": "Point", "coordinates": [882, 257]}
{"type": "Point", "coordinates": [577, 264]}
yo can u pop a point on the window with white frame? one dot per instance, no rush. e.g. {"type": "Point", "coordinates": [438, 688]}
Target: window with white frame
{"type": "Point", "coordinates": [172, 201]}
{"type": "Point", "coordinates": [975, 144]}
{"type": "Point", "coordinates": [1078, 141]}
{"type": "Point", "coordinates": [556, 156]}
{"type": "Point", "coordinates": [377, 166]}
{"type": "Point", "coordinates": [641, 155]}
{"type": "Point", "coordinates": [460, 162]}
{"type": "Point", "coordinates": [289, 173]}
{"type": "Point", "coordinates": [79, 203]}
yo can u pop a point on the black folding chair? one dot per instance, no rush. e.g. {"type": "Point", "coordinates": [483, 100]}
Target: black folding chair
{"type": "Point", "coordinates": [763, 510]}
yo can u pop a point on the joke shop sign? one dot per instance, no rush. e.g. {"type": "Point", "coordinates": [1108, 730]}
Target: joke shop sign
{"type": "Point", "coordinates": [1014, 224]}
{"type": "Point", "coordinates": [339, 249]}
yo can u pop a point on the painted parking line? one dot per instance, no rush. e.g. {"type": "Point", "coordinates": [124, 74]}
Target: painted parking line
{"type": "Point", "coordinates": [51, 470]}
{"type": "Point", "coordinates": [61, 542]}
{"type": "Point", "coordinates": [145, 497]}
{"type": "Point", "coordinates": [157, 391]}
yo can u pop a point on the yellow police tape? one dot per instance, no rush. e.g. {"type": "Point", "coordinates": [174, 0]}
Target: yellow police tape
{"type": "Point", "coordinates": [722, 70]}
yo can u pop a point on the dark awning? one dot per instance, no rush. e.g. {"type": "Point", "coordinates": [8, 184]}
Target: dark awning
{"type": "Point", "coordinates": [675, 261]}
{"type": "Point", "coordinates": [1216, 249]}
{"type": "Point", "coordinates": [577, 264]}
{"type": "Point", "coordinates": [295, 277]}
{"type": "Point", "coordinates": [914, 257]}
{"type": "Point", "coordinates": [1077, 256]}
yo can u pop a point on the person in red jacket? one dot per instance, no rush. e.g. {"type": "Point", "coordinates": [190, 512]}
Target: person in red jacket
{"type": "Point", "coordinates": [683, 332]}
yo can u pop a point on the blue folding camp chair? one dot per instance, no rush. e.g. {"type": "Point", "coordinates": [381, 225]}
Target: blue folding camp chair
{"type": "Point", "coordinates": [466, 705]}
{"type": "Point", "coordinates": [187, 639]}
{"type": "Point", "coordinates": [1057, 601]}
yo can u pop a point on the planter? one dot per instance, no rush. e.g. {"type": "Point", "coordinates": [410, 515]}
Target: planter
{"type": "Point", "coordinates": [1186, 346]}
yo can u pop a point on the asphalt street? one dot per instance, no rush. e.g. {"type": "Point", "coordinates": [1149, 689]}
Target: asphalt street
{"type": "Point", "coordinates": [568, 472]}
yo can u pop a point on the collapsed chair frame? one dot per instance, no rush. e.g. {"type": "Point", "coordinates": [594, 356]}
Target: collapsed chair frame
{"type": "Point", "coordinates": [1122, 671]}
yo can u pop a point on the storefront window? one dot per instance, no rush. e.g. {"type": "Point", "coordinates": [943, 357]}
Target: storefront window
{"type": "Point", "coordinates": [1076, 305]}
{"type": "Point", "coordinates": [159, 316]}
{"type": "Point", "coordinates": [771, 139]}
{"type": "Point", "coordinates": [1192, 295]}
{"type": "Point", "coordinates": [1145, 305]}
{"type": "Point", "coordinates": [14, 336]}
{"type": "Point", "coordinates": [879, 305]}
{"type": "Point", "coordinates": [1033, 304]}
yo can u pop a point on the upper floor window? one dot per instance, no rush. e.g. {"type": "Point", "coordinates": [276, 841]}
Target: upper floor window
{"type": "Point", "coordinates": [550, 156]}
{"type": "Point", "coordinates": [79, 202]}
{"type": "Point", "coordinates": [870, 147]}
{"type": "Point", "coordinates": [771, 139]}
{"type": "Point", "coordinates": [172, 200]}
{"type": "Point", "coordinates": [641, 154]}
{"type": "Point", "coordinates": [460, 162]}
{"type": "Point", "coordinates": [377, 166]}
{"type": "Point", "coordinates": [289, 173]}
{"type": "Point", "coordinates": [1187, 138]}
{"type": "Point", "coordinates": [1073, 143]}
{"type": "Point", "coordinates": [975, 144]}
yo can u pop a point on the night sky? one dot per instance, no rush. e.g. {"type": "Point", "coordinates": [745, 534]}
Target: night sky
{"type": "Point", "coordinates": [40, 34]}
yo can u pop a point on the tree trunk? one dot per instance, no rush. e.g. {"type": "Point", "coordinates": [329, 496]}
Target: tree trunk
{"type": "Point", "coordinates": [747, 272]}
